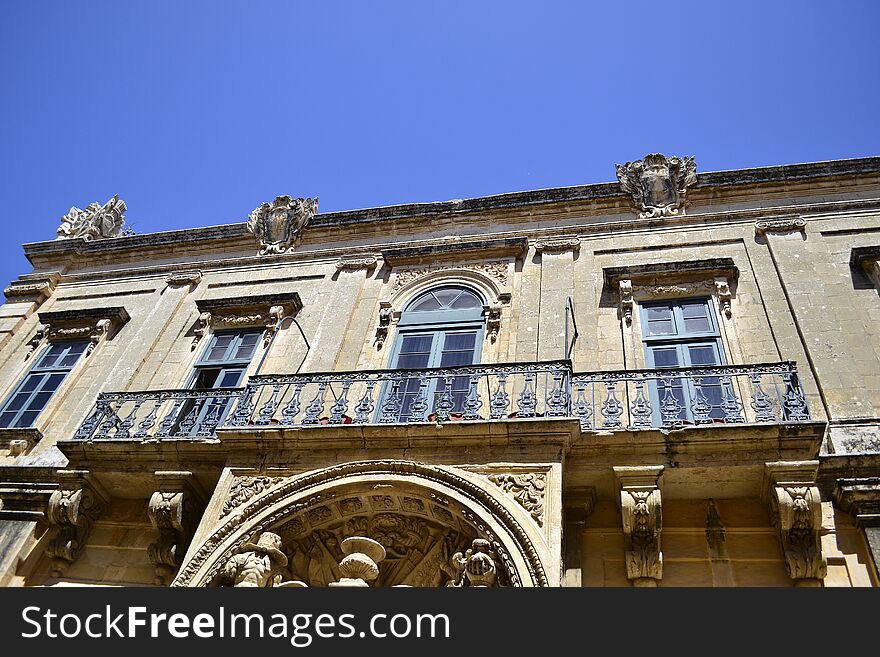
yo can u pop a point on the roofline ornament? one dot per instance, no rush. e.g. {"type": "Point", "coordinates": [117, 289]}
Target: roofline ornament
{"type": "Point", "coordinates": [658, 184]}
{"type": "Point", "coordinates": [278, 225]}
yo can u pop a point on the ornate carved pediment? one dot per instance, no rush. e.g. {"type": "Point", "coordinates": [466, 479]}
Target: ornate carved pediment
{"type": "Point", "coordinates": [262, 311]}
{"type": "Point", "coordinates": [72, 509]}
{"type": "Point", "coordinates": [796, 509]}
{"type": "Point", "coordinates": [95, 324]}
{"type": "Point", "coordinates": [640, 508]}
{"type": "Point", "coordinates": [95, 222]}
{"type": "Point", "coordinates": [278, 225]}
{"type": "Point", "coordinates": [658, 184]}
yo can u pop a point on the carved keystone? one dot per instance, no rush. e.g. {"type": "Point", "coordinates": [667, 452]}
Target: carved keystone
{"type": "Point", "coordinates": [72, 509]}
{"type": "Point", "coordinates": [796, 509]}
{"type": "Point", "coordinates": [174, 510]}
{"type": "Point", "coordinates": [642, 522]}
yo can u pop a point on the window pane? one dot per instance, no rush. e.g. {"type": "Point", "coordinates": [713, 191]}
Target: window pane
{"type": "Point", "coordinates": [51, 383]}
{"type": "Point", "coordinates": [230, 378]}
{"type": "Point", "coordinates": [655, 313]}
{"type": "Point", "coordinates": [246, 348]}
{"type": "Point", "coordinates": [702, 355]}
{"type": "Point", "coordinates": [51, 356]}
{"type": "Point", "coordinates": [426, 303]}
{"type": "Point", "coordinates": [697, 325]}
{"type": "Point", "coordinates": [412, 361]}
{"type": "Point", "coordinates": [691, 310]}
{"type": "Point", "coordinates": [26, 419]}
{"type": "Point", "coordinates": [665, 356]}
{"type": "Point", "coordinates": [5, 419]}
{"type": "Point", "coordinates": [18, 401]}
{"type": "Point", "coordinates": [218, 349]}
{"type": "Point", "coordinates": [31, 382]}
{"type": "Point", "coordinates": [466, 300]}
{"type": "Point", "coordinates": [416, 344]}
{"type": "Point", "coordinates": [453, 358]}
{"type": "Point", "coordinates": [38, 402]}
{"type": "Point", "coordinates": [206, 378]}
{"type": "Point", "coordinates": [663, 327]}
{"type": "Point", "coordinates": [447, 296]}
{"type": "Point", "coordinates": [455, 341]}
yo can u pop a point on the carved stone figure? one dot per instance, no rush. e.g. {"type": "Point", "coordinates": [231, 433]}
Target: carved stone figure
{"type": "Point", "coordinates": [256, 564]}
{"type": "Point", "coordinates": [476, 566]}
{"type": "Point", "coordinates": [278, 225]}
{"type": "Point", "coordinates": [658, 184]}
{"type": "Point", "coordinates": [95, 222]}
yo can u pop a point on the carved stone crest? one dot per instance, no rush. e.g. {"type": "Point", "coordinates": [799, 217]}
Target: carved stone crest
{"type": "Point", "coordinates": [95, 222]}
{"type": "Point", "coordinates": [278, 225]}
{"type": "Point", "coordinates": [658, 184]}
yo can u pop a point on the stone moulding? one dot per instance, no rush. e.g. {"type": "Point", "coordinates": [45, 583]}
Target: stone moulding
{"type": "Point", "coordinates": [96, 324]}
{"type": "Point", "coordinates": [782, 225]}
{"type": "Point", "coordinates": [658, 184]}
{"type": "Point", "coordinates": [494, 270]}
{"type": "Point", "coordinates": [640, 507]}
{"type": "Point", "coordinates": [796, 509]}
{"type": "Point", "coordinates": [867, 258]}
{"type": "Point", "coordinates": [527, 489]}
{"type": "Point", "coordinates": [267, 510]}
{"type": "Point", "coordinates": [514, 247]}
{"type": "Point", "coordinates": [264, 311]}
{"type": "Point", "coordinates": [36, 291]}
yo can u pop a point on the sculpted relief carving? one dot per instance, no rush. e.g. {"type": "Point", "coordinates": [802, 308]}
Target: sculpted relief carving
{"type": "Point", "coordinates": [279, 224]}
{"type": "Point", "coordinates": [658, 184]}
{"type": "Point", "coordinates": [527, 489]}
{"type": "Point", "coordinates": [496, 270]}
{"type": "Point", "coordinates": [95, 222]}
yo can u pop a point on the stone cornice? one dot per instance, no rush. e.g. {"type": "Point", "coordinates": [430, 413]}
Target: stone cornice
{"type": "Point", "coordinates": [261, 300]}
{"type": "Point", "coordinates": [511, 246]}
{"type": "Point", "coordinates": [708, 267]}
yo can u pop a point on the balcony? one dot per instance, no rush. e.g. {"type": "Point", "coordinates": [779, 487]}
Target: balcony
{"type": "Point", "coordinates": [629, 400]}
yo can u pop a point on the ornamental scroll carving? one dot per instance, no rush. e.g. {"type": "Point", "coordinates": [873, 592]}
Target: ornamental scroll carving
{"type": "Point", "coordinates": [72, 509]}
{"type": "Point", "coordinates": [658, 184]}
{"type": "Point", "coordinates": [496, 270]}
{"type": "Point", "coordinates": [244, 488]}
{"type": "Point", "coordinates": [785, 225]}
{"type": "Point", "coordinates": [95, 222]}
{"type": "Point", "coordinates": [278, 225]}
{"type": "Point", "coordinates": [640, 509]}
{"type": "Point", "coordinates": [528, 489]}
{"type": "Point", "coordinates": [173, 511]}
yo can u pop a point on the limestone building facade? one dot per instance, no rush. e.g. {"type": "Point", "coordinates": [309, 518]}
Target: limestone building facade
{"type": "Point", "coordinates": [668, 380]}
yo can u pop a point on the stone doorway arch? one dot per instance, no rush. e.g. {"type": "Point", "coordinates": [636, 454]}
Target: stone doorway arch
{"type": "Point", "coordinates": [422, 515]}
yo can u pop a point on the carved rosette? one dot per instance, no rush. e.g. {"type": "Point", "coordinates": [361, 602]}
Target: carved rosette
{"type": "Point", "coordinates": [173, 511]}
{"type": "Point", "coordinates": [72, 509]}
{"type": "Point", "coordinates": [796, 509]}
{"type": "Point", "coordinates": [642, 521]}
{"type": "Point", "coordinates": [95, 222]}
{"type": "Point", "coordinates": [278, 225]}
{"type": "Point", "coordinates": [528, 489]}
{"type": "Point", "coordinates": [784, 225]}
{"type": "Point", "coordinates": [658, 184]}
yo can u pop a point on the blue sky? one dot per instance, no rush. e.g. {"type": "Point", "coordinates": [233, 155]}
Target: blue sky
{"type": "Point", "coordinates": [196, 112]}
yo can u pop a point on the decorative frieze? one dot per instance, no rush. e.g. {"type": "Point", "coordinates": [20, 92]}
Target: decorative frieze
{"type": "Point", "coordinates": [278, 225]}
{"type": "Point", "coordinates": [527, 489]}
{"type": "Point", "coordinates": [495, 270]}
{"type": "Point", "coordinates": [354, 264]}
{"type": "Point", "coordinates": [658, 184]}
{"type": "Point", "coordinates": [784, 225]}
{"type": "Point", "coordinates": [95, 222]}
{"type": "Point", "coordinates": [640, 507]}
{"type": "Point", "coordinates": [72, 510]}
{"type": "Point", "coordinates": [560, 245]}
{"type": "Point", "coordinates": [244, 488]}
{"type": "Point", "coordinates": [191, 277]}
{"type": "Point", "coordinates": [796, 509]}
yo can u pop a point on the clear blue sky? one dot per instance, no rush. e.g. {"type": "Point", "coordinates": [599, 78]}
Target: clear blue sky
{"type": "Point", "coordinates": [196, 112]}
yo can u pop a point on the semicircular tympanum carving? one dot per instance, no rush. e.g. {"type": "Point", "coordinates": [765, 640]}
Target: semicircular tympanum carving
{"type": "Point", "coordinates": [436, 527]}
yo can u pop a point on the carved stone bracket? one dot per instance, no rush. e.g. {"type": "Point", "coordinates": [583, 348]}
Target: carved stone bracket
{"type": "Point", "coordinates": [867, 258]}
{"type": "Point", "coordinates": [278, 225]}
{"type": "Point", "coordinates": [860, 497]}
{"type": "Point", "coordinates": [19, 441]}
{"type": "Point", "coordinates": [658, 184]}
{"type": "Point", "coordinates": [264, 311]}
{"type": "Point", "coordinates": [527, 489]}
{"type": "Point", "coordinates": [626, 301]}
{"type": "Point", "coordinates": [72, 509]}
{"type": "Point", "coordinates": [190, 277]}
{"type": "Point", "coordinates": [640, 507]}
{"type": "Point", "coordinates": [174, 510]}
{"type": "Point", "coordinates": [386, 312]}
{"type": "Point", "coordinates": [354, 264]}
{"type": "Point", "coordinates": [96, 324]}
{"type": "Point", "coordinates": [784, 225]}
{"type": "Point", "coordinates": [722, 291]}
{"type": "Point", "coordinates": [492, 312]}
{"type": "Point", "coordinates": [558, 245]}
{"type": "Point", "coordinates": [796, 508]}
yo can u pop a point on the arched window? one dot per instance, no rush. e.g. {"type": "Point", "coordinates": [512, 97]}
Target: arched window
{"type": "Point", "coordinates": [441, 327]}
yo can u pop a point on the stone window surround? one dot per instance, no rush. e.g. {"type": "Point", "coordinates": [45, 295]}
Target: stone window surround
{"type": "Point", "coordinates": [265, 311]}
{"type": "Point", "coordinates": [713, 277]}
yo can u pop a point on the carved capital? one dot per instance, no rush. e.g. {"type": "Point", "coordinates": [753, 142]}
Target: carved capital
{"type": "Point", "coordinates": [173, 511]}
{"type": "Point", "coordinates": [560, 245]}
{"type": "Point", "coordinates": [527, 489]}
{"type": "Point", "coordinates": [658, 184]}
{"type": "Point", "coordinates": [354, 264]}
{"type": "Point", "coordinates": [278, 225]}
{"type": "Point", "coordinates": [191, 277]}
{"type": "Point", "coordinates": [95, 222]}
{"type": "Point", "coordinates": [796, 509]}
{"type": "Point", "coordinates": [784, 225]}
{"type": "Point", "coordinates": [625, 288]}
{"type": "Point", "coordinates": [640, 508]}
{"type": "Point", "coordinates": [72, 509]}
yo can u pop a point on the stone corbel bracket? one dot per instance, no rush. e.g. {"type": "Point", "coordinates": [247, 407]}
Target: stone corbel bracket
{"type": "Point", "coordinates": [355, 264]}
{"type": "Point", "coordinates": [386, 314]}
{"type": "Point", "coordinates": [492, 311]}
{"type": "Point", "coordinates": [712, 276]}
{"type": "Point", "coordinates": [780, 225]}
{"type": "Point", "coordinates": [72, 509]}
{"type": "Point", "coordinates": [174, 510]}
{"type": "Point", "coordinates": [187, 277]}
{"type": "Point", "coordinates": [796, 509]}
{"type": "Point", "coordinates": [860, 497]}
{"type": "Point", "coordinates": [558, 245]}
{"type": "Point", "coordinates": [19, 441]}
{"type": "Point", "coordinates": [640, 508]}
{"type": "Point", "coordinates": [96, 324]}
{"type": "Point", "coordinates": [263, 311]}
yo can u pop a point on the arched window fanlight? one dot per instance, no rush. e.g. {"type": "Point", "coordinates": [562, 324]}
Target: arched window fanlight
{"type": "Point", "coordinates": [445, 298]}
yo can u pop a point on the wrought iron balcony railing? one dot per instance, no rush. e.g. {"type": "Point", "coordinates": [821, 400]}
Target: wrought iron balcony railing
{"type": "Point", "coordinates": [632, 399]}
